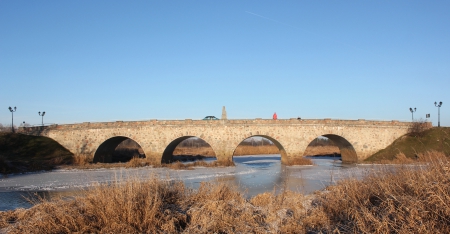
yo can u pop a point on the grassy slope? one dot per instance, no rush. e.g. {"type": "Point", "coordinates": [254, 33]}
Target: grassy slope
{"type": "Point", "coordinates": [20, 153]}
{"type": "Point", "coordinates": [437, 139]}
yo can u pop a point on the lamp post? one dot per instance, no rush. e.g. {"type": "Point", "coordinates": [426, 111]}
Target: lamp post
{"type": "Point", "coordinates": [43, 113]}
{"type": "Point", "coordinates": [12, 117]}
{"type": "Point", "coordinates": [439, 112]}
{"type": "Point", "coordinates": [412, 112]}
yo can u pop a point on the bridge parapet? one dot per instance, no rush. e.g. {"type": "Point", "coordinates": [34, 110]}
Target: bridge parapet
{"type": "Point", "coordinates": [154, 122]}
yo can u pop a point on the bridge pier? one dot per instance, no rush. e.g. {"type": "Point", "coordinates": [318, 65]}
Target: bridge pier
{"type": "Point", "coordinates": [224, 155]}
{"type": "Point", "coordinates": [153, 158]}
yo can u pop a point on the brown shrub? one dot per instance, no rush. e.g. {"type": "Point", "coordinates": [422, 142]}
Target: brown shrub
{"type": "Point", "coordinates": [256, 150]}
{"type": "Point", "coordinates": [397, 200]}
{"type": "Point", "coordinates": [321, 150]}
{"type": "Point", "coordinates": [150, 206]}
{"type": "Point", "coordinates": [137, 162]}
{"type": "Point", "coordinates": [82, 160]}
{"type": "Point", "coordinates": [417, 128]}
{"type": "Point", "coordinates": [57, 161]}
{"type": "Point", "coordinates": [159, 206]}
{"type": "Point", "coordinates": [240, 150]}
{"type": "Point", "coordinates": [300, 161]}
{"type": "Point", "coordinates": [401, 158]}
{"type": "Point", "coordinates": [189, 166]}
{"type": "Point", "coordinates": [222, 163]}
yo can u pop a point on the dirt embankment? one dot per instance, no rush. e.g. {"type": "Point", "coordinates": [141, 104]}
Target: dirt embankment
{"type": "Point", "coordinates": [22, 153]}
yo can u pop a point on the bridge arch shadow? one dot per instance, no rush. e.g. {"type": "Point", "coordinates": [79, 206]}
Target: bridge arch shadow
{"type": "Point", "coordinates": [347, 152]}
{"type": "Point", "coordinates": [118, 149]}
{"type": "Point", "coordinates": [186, 147]}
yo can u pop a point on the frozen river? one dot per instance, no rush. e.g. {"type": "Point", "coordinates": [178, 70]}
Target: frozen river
{"type": "Point", "coordinates": [252, 175]}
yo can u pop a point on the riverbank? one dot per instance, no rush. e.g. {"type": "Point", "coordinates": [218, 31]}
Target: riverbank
{"type": "Point", "coordinates": [401, 200]}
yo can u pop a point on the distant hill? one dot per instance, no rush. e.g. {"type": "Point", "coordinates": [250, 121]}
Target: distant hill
{"type": "Point", "coordinates": [436, 139]}
{"type": "Point", "coordinates": [22, 153]}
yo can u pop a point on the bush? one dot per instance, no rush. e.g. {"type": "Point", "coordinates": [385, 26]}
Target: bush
{"type": "Point", "coordinates": [418, 127]}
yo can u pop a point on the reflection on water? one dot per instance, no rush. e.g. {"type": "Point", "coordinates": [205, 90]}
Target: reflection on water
{"type": "Point", "coordinates": [251, 176]}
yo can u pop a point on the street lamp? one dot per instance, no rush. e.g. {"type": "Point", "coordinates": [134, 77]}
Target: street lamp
{"type": "Point", "coordinates": [412, 112]}
{"type": "Point", "coordinates": [439, 112]}
{"type": "Point", "coordinates": [43, 113]}
{"type": "Point", "coordinates": [12, 117]}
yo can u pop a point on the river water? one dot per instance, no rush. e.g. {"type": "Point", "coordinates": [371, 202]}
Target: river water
{"type": "Point", "coordinates": [252, 175]}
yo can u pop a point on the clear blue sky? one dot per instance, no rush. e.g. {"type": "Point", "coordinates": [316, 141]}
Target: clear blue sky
{"type": "Point", "coordinates": [95, 61]}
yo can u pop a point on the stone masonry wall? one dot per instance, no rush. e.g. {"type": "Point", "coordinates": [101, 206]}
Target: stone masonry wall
{"type": "Point", "coordinates": [358, 139]}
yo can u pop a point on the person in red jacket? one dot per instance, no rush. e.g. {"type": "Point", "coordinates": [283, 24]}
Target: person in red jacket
{"type": "Point", "coordinates": [275, 115]}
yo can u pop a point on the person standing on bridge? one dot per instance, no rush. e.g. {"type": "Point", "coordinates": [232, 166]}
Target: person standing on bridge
{"type": "Point", "coordinates": [275, 116]}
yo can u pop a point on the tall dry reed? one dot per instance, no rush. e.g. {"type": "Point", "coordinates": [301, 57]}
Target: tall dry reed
{"type": "Point", "coordinates": [156, 206]}
{"type": "Point", "coordinates": [407, 199]}
{"type": "Point", "coordinates": [396, 199]}
{"type": "Point", "coordinates": [300, 161]}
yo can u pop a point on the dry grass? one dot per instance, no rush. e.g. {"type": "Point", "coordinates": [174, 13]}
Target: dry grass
{"type": "Point", "coordinates": [322, 150]}
{"type": "Point", "coordinates": [240, 150]}
{"type": "Point", "coordinates": [256, 150]}
{"type": "Point", "coordinates": [300, 161]}
{"type": "Point", "coordinates": [81, 160]}
{"type": "Point", "coordinates": [409, 199]}
{"type": "Point", "coordinates": [404, 199]}
{"type": "Point", "coordinates": [84, 163]}
{"type": "Point", "coordinates": [157, 206]}
{"type": "Point", "coordinates": [205, 151]}
{"type": "Point", "coordinates": [189, 166]}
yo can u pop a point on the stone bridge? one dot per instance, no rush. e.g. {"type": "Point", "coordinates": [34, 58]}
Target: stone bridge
{"type": "Point", "coordinates": [356, 139]}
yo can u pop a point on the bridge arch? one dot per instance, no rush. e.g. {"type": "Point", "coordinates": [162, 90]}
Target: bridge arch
{"type": "Point", "coordinates": [348, 153]}
{"type": "Point", "coordinates": [277, 143]}
{"type": "Point", "coordinates": [105, 151]}
{"type": "Point", "coordinates": [167, 156]}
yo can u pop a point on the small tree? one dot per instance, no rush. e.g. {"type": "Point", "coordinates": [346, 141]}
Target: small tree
{"type": "Point", "coordinates": [418, 127]}
{"type": "Point", "coordinates": [6, 128]}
